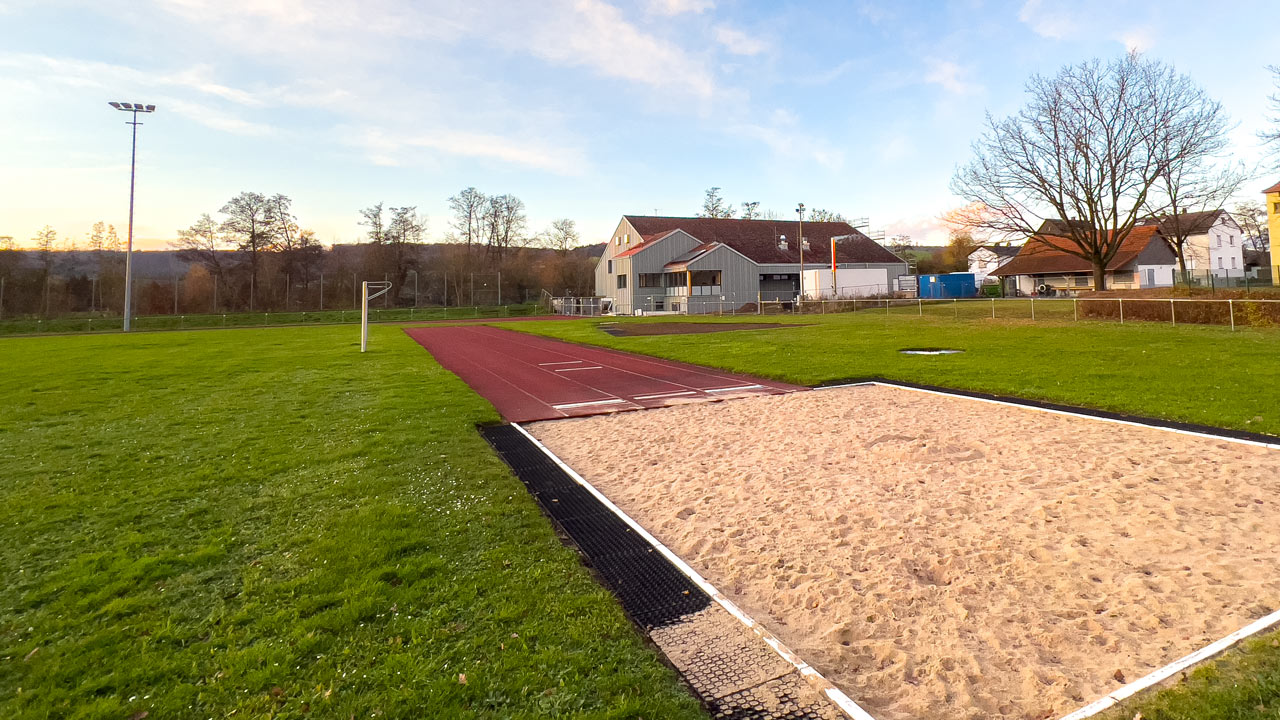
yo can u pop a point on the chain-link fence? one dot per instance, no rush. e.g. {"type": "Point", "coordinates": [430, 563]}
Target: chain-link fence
{"type": "Point", "coordinates": [88, 322]}
{"type": "Point", "coordinates": [1234, 313]}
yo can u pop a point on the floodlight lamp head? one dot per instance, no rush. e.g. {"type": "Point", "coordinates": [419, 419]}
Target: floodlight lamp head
{"type": "Point", "coordinates": [115, 105]}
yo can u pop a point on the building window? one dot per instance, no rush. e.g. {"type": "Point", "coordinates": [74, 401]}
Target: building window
{"type": "Point", "coordinates": [650, 280]}
{"type": "Point", "coordinates": [1233, 263]}
{"type": "Point", "coordinates": [676, 283]}
{"type": "Point", "coordinates": [1080, 281]}
{"type": "Point", "coordinates": [1219, 240]}
{"type": "Point", "coordinates": [610, 267]}
{"type": "Point", "coordinates": [1231, 241]}
{"type": "Point", "coordinates": [1219, 263]}
{"type": "Point", "coordinates": [622, 282]}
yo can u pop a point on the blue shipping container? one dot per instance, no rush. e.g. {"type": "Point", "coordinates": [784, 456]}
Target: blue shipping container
{"type": "Point", "coordinates": [951, 285]}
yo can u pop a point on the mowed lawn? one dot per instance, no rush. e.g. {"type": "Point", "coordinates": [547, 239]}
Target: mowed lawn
{"type": "Point", "coordinates": [265, 523]}
{"type": "Point", "coordinates": [1192, 373]}
{"type": "Point", "coordinates": [1198, 374]}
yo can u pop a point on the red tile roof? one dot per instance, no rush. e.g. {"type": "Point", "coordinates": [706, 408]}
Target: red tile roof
{"type": "Point", "coordinates": [1273, 188]}
{"type": "Point", "coordinates": [1043, 254]}
{"type": "Point", "coordinates": [759, 239]}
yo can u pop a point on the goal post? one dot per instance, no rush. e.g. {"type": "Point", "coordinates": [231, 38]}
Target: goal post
{"type": "Point", "coordinates": [379, 288]}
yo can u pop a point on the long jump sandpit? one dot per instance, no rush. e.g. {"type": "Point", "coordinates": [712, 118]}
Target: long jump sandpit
{"type": "Point", "coordinates": [942, 557]}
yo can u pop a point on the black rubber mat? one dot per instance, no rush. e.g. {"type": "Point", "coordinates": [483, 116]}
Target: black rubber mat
{"type": "Point", "coordinates": [651, 589]}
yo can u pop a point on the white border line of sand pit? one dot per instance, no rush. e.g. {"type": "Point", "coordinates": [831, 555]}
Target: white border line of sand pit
{"type": "Point", "coordinates": [1056, 411]}
{"type": "Point", "coordinates": [566, 406]}
{"type": "Point", "coordinates": [815, 678]}
{"type": "Point", "coordinates": [1115, 698]}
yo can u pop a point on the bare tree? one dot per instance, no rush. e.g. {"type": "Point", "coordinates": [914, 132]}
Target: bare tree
{"type": "Point", "coordinates": [1187, 187]}
{"type": "Point", "coordinates": [98, 238]}
{"type": "Point", "coordinates": [503, 221]}
{"type": "Point", "coordinates": [714, 206]}
{"type": "Point", "coordinates": [468, 209]}
{"type": "Point", "coordinates": [405, 229]}
{"type": "Point", "coordinates": [561, 236]}
{"type": "Point", "coordinates": [1088, 148]}
{"type": "Point", "coordinates": [1251, 216]}
{"type": "Point", "coordinates": [751, 210]}
{"type": "Point", "coordinates": [251, 222]}
{"type": "Point", "coordinates": [203, 244]}
{"type": "Point", "coordinates": [821, 215]}
{"type": "Point", "coordinates": [373, 220]}
{"type": "Point", "coordinates": [1271, 136]}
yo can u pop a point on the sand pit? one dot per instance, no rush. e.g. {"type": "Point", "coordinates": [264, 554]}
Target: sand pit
{"type": "Point", "coordinates": [940, 557]}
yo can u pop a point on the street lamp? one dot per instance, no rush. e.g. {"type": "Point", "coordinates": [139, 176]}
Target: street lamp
{"type": "Point", "coordinates": [800, 211]}
{"type": "Point", "coordinates": [134, 108]}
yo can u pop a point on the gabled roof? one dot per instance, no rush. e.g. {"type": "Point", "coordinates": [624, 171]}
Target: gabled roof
{"type": "Point", "coordinates": [758, 240]}
{"type": "Point", "coordinates": [646, 241]}
{"type": "Point", "coordinates": [1274, 188]}
{"type": "Point", "coordinates": [1000, 251]}
{"type": "Point", "coordinates": [1196, 223]}
{"type": "Point", "coordinates": [1043, 254]}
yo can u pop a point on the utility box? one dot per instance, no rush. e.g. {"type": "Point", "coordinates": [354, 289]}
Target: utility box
{"type": "Point", "coordinates": [950, 285]}
{"type": "Point", "coordinates": [850, 283]}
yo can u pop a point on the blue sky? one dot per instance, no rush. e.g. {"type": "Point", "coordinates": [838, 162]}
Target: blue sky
{"type": "Point", "coordinates": [586, 109]}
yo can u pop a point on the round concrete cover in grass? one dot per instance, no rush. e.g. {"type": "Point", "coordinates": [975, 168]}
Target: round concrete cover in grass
{"type": "Point", "coordinates": [930, 351]}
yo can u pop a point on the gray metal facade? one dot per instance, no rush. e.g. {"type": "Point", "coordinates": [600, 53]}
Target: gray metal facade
{"type": "Point", "coordinates": [742, 281]}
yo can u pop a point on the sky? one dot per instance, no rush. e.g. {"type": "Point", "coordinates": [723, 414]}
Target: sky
{"type": "Point", "coordinates": [586, 109]}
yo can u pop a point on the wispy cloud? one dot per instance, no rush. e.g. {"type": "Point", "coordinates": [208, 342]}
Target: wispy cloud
{"type": "Point", "coordinates": [390, 150]}
{"type": "Point", "coordinates": [679, 7]}
{"type": "Point", "coordinates": [739, 42]}
{"type": "Point", "coordinates": [783, 135]}
{"type": "Point", "coordinates": [216, 119]}
{"type": "Point", "coordinates": [1048, 20]}
{"type": "Point", "coordinates": [951, 77]}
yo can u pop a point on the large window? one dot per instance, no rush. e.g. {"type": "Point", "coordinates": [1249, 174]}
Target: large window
{"type": "Point", "coordinates": [676, 283]}
{"type": "Point", "coordinates": [650, 280]}
{"type": "Point", "coordinates": [706, 282]}
{"type": "Point", "coordinates": [610, 267]}
{"type": "Point", "coordinates": [622, 282]}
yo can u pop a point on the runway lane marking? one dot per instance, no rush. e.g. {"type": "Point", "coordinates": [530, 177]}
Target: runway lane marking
{"type": "Point", "coordinates": [665, 395]}
{"type": "Point", "coordinates": [568, 406]}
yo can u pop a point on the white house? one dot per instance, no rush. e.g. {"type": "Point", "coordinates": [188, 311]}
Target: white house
{"type": "Point", "coordinates": [1215, 241]}
{"type": "Point", "coordinates": [988, 258]}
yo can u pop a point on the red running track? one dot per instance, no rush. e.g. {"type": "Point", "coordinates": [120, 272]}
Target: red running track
{"type": "Point", "coordinates": [529, 378]}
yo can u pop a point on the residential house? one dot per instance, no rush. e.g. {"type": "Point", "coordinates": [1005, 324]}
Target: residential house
{"type": "Point", "coordinates": [1272, 195]}
{"type": "Point", "coordinates": [1215, 242]}
{"type": "Point", "coordinates": [986, 259]}
{"type": "Point", "coordinates": [699, 265]}
{"type": "Point", "coordinates": [1145, 259]}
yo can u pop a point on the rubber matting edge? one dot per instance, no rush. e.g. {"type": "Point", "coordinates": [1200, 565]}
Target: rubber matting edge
{"type": "Point", "coordinates": [729, 668]}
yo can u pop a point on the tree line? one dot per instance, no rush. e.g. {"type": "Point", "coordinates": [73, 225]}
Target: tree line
{"type": "Point", "coordinates": [255, 255]}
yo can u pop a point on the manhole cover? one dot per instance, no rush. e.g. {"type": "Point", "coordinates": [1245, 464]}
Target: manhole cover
{"type": "Point", "coordinates": [930, 351]}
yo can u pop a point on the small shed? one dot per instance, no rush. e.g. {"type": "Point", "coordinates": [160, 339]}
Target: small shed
{"type": "Point", "coordinates": [950, 285]}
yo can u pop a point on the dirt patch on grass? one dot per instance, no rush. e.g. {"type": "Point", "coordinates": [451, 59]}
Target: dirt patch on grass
{"type": "Point", "coordinates": [689, 328]}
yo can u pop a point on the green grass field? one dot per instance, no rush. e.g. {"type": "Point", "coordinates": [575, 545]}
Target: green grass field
{"type": "Point", "coordinates": [264, 523]}
{"type": "Point", "coordinates": [1201, 374]}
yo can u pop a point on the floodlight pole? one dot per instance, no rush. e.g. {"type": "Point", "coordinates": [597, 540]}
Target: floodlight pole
{"type": "Point", "coordinates": [800, 211]}
{"type": "Point", "coordinates": [134, 108]}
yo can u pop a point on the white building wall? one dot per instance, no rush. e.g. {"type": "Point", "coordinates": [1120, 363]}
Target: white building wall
{"type": "Point", "coordinates": [850, 282]}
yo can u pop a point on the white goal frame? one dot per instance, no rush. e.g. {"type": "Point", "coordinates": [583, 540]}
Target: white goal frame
{"type": "Point", "coordinates": [382, 287]}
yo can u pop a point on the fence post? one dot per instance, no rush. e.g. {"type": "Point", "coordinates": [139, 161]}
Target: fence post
{"type": "Point", "coordinates": [1033, 309]}
{"type": "Point", "coordinates": [920, 306]}
{"type": "Point", "coordinates": [759, 303]}
{"type": "Point", "coordinates": [1173, 313]}
{"type": "Point", "coordinates": [955, 304]}
{"type": "Point", "coordinates": [1075, 309]}
{"type": "Point", "coordinates": [1231, 307]}
{"type": "Point", "coordinates": [993, 308]}
{"type": "Point", "coordinates": [1121, 311]}
{"type": "Point", "coordinates": [886, 306]}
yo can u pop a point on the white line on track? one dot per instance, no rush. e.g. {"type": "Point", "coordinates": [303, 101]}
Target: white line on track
{"type": "Point", "coordinates": [561, 362]}
{"type": "Point", "coordinates": [735, 387]}
{"type": "Point", "coordinates": [665, 395]}
{"type": "Point", "coordinates": [566, 406]}
{"type": "Point", "coordinates": [590, 367]}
